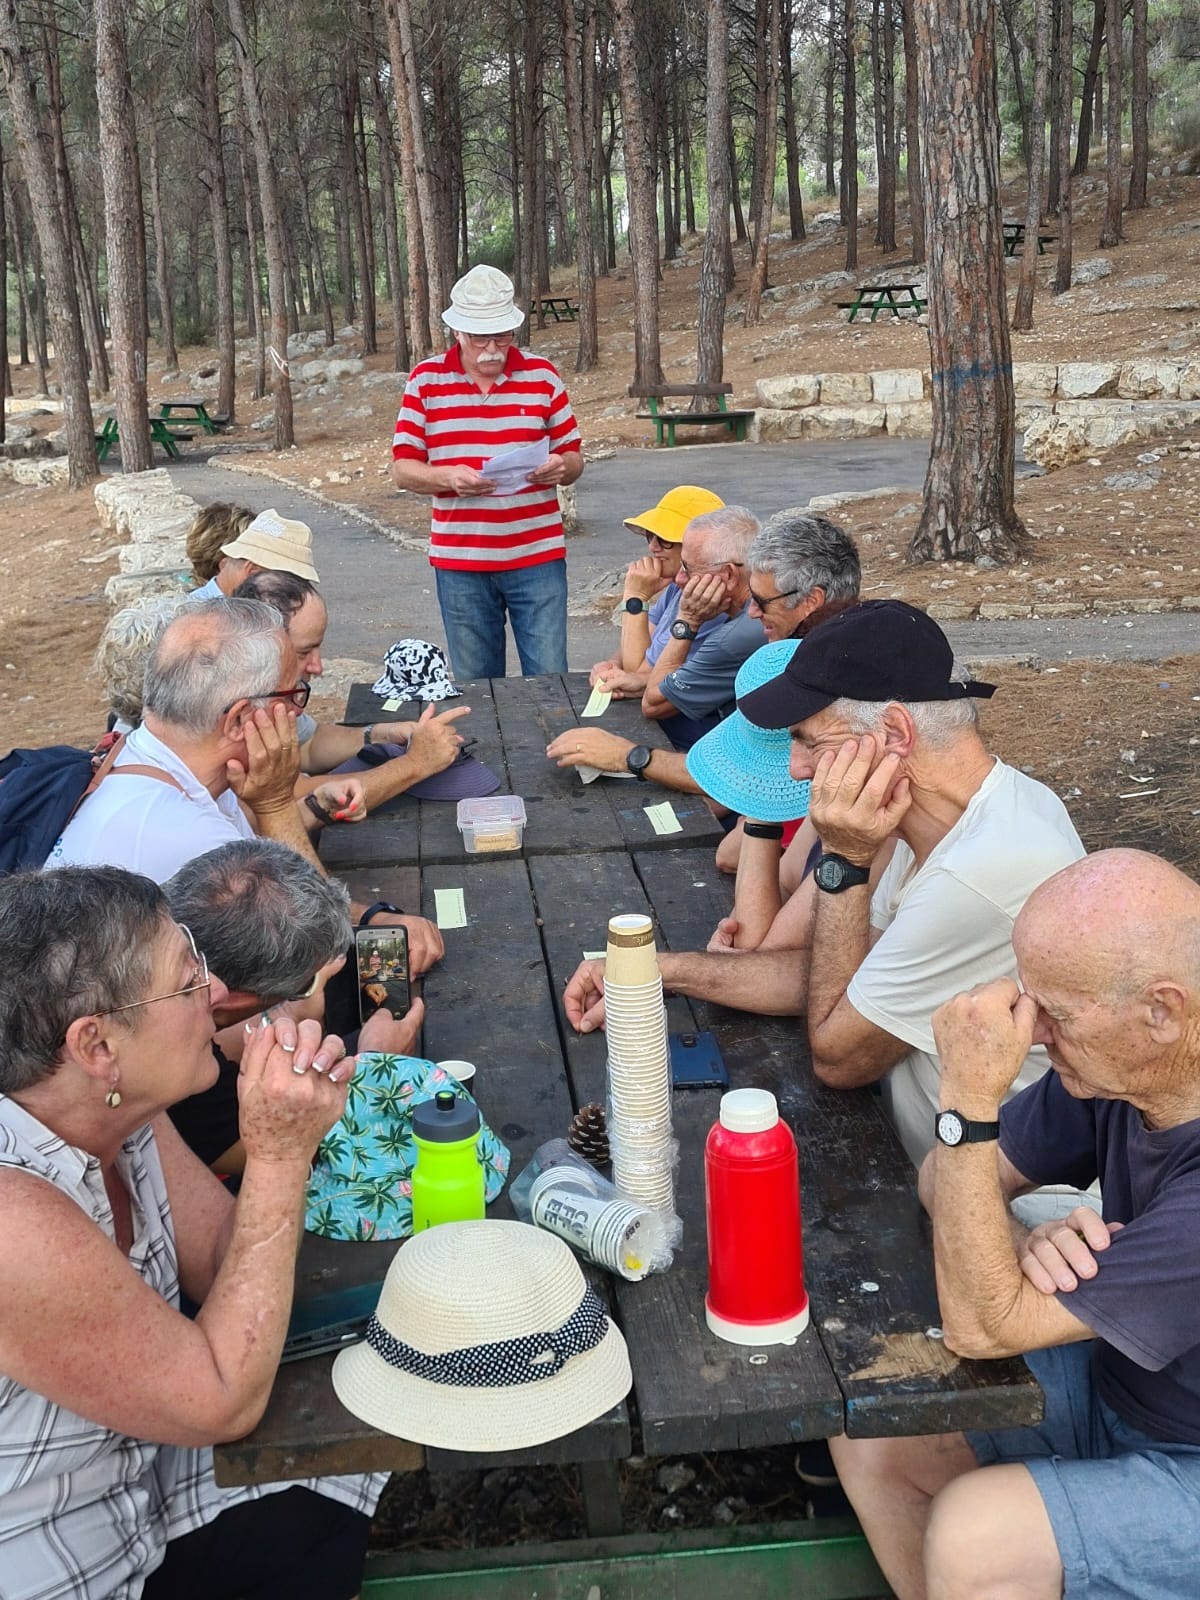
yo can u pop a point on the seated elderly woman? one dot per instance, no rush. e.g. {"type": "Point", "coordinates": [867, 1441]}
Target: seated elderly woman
{"type": "Point", "coordinates": [122, 653]}
{"type": "Point", "coordinates": [213, 571]}
{"type": "Point", "coordinates": [109, 1397]}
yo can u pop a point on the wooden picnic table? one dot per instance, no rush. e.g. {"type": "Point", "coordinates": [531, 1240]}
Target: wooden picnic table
{"type": "Point", "coordinates": [194, 409]}
{"type": "Point", "coordinates": [666, 418]}
{"type": "Point", "coordinates": [160, 433]}
{"type": "Point", "coordinates": [871, 1362]}
{"type": "Point", "coordinates": [1014, 239]}
{"type": "Point", "coordinates": [893, 299]}
{"type": "Point", "coordinates": [559, 306]}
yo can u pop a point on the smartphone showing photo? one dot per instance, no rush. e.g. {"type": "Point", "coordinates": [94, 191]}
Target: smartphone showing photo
{"type": "Point", "coordinates": [382, 958]}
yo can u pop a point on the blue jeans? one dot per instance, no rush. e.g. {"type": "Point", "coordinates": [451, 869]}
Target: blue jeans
{"type": "Point", "coordinates": [474, 606]}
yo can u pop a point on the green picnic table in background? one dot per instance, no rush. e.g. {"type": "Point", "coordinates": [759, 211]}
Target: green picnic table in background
{"type": "Point", "coordinates": [160, 433]}
{"type": "Point", "coordinates": [194, 410]}
{"type": "Point", "coordinates": [894, 299]}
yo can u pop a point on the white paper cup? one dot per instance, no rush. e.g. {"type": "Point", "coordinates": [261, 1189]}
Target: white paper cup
{"type": "Point", "coordinates": [631, 957]}
{"type": "Point", "coordinates": [462, 1071]}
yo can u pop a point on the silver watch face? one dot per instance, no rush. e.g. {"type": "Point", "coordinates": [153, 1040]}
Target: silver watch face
{"type": "Point", "coordinates": [949, 1128]}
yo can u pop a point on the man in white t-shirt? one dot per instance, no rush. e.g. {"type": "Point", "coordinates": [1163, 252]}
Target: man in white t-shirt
{"type": "Point", "coordinates": [889, 741]}
{"type": "Point", "coordinates": [222, 693]}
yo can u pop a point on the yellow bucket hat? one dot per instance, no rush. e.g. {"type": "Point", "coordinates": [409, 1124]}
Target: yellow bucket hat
{"type": "Point", "coordinates": [674, 511]}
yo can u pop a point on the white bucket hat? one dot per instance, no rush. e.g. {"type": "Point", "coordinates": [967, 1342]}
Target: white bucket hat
{"type": "Point", "coordinates": [486, 1337]}
{"type": "Point", "coordinates": [482, 302]}
{"type": "Point", "coordinates": [277, 543]}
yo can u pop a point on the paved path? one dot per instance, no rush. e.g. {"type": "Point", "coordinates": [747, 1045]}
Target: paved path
{"type": "Point", "coordinates": [379, 592]}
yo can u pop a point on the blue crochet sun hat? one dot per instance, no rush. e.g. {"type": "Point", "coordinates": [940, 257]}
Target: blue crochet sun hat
{"type": "Point", "coordinates": [744, 767]}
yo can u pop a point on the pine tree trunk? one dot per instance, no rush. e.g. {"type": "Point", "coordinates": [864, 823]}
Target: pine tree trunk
{"type": "Point", "coordinates": [122, 209]}
{"type": "Point", "coordinates": [1053, 177]}
{"type": "Point", "coordinates": [588, 352]}
{"type": "Point", "coordinates": [791, 143]}
{"type": "Point", "coordinates": [1139, 107]}
{"type": "Point", "coordinates": [1110, 234]}
{"type": "Point", "coordinates": [55, 251]}
{"type": "Point", "coordinates": [28, 310]}
{"type": "Point", "coordinates": [268, 195]}
{"type": "Point", "coordinates": [212, 177]}
{"type": "Point", "coordinates": [1089, 90]}
{"type": "Point", "coordinates": [1014, 50]}
{"type": "Point", "coordinates": [1062, 275]}
{"type": "Point", "coordinates": [164, 278]}
{"type": "Point", "coordinates": [768, 107]}
{"type": "Point", "coordinates": [6, 386]}
{"type": "Point", "coordinates": [639, 179]}
{"type": "Point", "coordinates": [685, 134]}
{"type": "Point", "coordinates": [710, 324]}
{"type": "Point", "coordinates": [969, 509]}
{"type": "Point", "coordinates": [358, 218]}
{"type": "Point", "coordinates": [437, 267]}
{"type": "Point", "coordinates": [254, 305]}
{"type": "Point", "coordinates": [850, 139]}
{"type": "Point", "coordinates": [740, 232]}
{"type": "Point", "coordinates": [391, 224]}
{"type": "Point", "coordinates": [912, 135]}
{"type": "Point", "coordinates": [423, 327]}
{"type": "Point", "coordinates": [832, 56]}
{"type": "Point", "coordinates": [883, 49]}
{"type": "Point", "coordinates": [1023, 314]}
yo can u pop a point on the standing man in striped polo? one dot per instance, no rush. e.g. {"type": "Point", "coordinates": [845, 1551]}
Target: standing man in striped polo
{"type": "Point", "coordinates": [493, 554]}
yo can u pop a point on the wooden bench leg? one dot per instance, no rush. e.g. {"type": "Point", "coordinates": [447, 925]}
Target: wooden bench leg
{"type": "Point", "coordinates": [601, 1498]}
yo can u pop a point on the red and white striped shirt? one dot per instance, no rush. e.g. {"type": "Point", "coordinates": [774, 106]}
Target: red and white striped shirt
{"type": "Point", "coordinates": [447, 420]}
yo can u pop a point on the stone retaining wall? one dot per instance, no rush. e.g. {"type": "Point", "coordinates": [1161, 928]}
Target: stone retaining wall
{"type": "Point", "coordinates": [1066, 410]}
{"type": "Point", "coordinates": [147, 510]}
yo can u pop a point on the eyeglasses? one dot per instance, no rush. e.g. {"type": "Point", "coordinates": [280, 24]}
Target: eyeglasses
{"type": "Point", "coordinates": [762, 602]}
{"type": "Point", "coordinates": [480, 341]}
{"type": "Point", "coordinates": [710, 566]}
{"type": "Point", "coordinates": [297, 696]}
{"type": "Point", "coordinates": [201, 980]}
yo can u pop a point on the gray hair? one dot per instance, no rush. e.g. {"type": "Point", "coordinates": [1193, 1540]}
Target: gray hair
{"type": "Point", "coordinates": [74, 943]}
{"type": "Point", "coordinates": [803, 553]}
{"type": "Point", "coordinates": [938, 722]}
{"type": "Point", "coordinates": [124, 649]}
{"type": "Point", "coordinates": [216, 652]}
{"type": "Point", "coordinates": [283, 590]}
{"type": "Point", "coordinates": [727, 533]}
{"type": "Point", "coordinates": [265, 918]}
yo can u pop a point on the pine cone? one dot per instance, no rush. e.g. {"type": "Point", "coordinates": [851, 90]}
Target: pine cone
{"type": "Point", "coordinates": [588, 1135]}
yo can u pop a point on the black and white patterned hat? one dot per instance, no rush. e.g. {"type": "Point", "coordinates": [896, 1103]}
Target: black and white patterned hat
{"type": "Point", "coordinates": [486, 1337]}
{"type": "Point", "coordinates": [414, 669]}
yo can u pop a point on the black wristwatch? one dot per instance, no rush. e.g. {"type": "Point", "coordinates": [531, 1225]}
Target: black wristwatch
{"type": "Point", "coordinates": [637, 760]}
{"type": "Point", "coordinates": [952, 1128]}
{"type": "Point", "coordinates": [834, 873]}
{"type": "Point", "coordinates": [682, 630]}
{"type": "Point", "coordinates": [634, 606]}
{"type": "Point", "coordinates": [380, 905]}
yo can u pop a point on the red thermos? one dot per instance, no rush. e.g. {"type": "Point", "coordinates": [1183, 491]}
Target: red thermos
{"type": "Point", "coordinates": [752, 1191]}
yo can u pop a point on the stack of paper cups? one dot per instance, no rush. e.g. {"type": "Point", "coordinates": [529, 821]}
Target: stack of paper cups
{"type": "Point", "coordinates": [639, 1079]}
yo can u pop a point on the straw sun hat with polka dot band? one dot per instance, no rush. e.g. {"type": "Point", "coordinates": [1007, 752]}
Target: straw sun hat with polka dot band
{"type": "Point", "coordinates": [486, 1337]}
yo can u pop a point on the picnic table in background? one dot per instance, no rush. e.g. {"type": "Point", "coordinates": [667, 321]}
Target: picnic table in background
{"type": "Point", "coordinates": [870, 1364]}
{"type": "Point", "coordinates": [559, 306]}
{"type": "Point", "coordinates": [668, 420]}
{"type": "Point", "coordinates": [160, 433]}
{"type": "Point", "coordinates": [893, 299]}
{"type": "Point", "coordinates": [1014, 239]}
{"type": "Point", "coordinates": [195, 411]}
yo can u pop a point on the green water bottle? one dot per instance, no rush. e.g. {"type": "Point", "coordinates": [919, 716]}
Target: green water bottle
{"type": "Point", "coordinates": [447, 1183]}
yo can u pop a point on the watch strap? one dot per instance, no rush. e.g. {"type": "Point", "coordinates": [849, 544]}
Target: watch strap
{"type": "Point", "coordinates": [372, 910]}
{"type": "Point", "coordinates": [763, 830]}
{"type": "Point", "coordinates": [317, 809]}
{"type": "Point", "coordinates": [973, 1132]}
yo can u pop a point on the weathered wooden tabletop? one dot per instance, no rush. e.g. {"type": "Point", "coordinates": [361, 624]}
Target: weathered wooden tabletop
{"type": "Point", "coordinates": [871, 1361]}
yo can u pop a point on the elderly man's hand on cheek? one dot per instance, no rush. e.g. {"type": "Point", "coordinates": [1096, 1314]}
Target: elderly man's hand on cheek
{"type": "Point", "coordinates": [855, 804]}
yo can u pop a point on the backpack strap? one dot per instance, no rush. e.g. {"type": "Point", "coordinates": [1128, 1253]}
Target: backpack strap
{"type": "Point", "coordinates": [107, 767]}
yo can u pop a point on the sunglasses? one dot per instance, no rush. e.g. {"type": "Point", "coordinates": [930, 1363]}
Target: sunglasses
{"type": "Point", "coordinates": [763, 601]}
{"type": "Point", "coordinates": [200, 980]}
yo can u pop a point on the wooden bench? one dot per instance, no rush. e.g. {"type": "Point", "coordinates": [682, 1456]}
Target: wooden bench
{"type": "Point", "coordinates": [894, 299]}
{"type": "Point", "coordinates": [1014, 239]}
{"type": "Point", "coordinates": [734, 422]}
{"type": "Point", "coordinates": [559, 306]}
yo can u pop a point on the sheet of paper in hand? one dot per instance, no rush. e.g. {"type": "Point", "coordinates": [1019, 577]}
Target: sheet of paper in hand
{"type": "Point", "coordinates": [510, 470]}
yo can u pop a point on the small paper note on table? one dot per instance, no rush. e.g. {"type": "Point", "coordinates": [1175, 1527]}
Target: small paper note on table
{"type": "Point", "coordinates": [594, 955]}
{"type": "Point", "coordinates": [393, 704]}
{"type": "Point", "coordinates": [450, 908]}
{"type": "Point", "coordinates": [598, 703]}
{"type": "Point", "coordinates": [663, 818]}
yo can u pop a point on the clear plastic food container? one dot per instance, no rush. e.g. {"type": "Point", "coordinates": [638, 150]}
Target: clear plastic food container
{"type": "Point", "coordinates": [491, 825]}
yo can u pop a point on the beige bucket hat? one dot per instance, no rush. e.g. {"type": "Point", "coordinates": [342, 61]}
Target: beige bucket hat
{"type": "Point", "coordinates": [277, 543]}
{"type": "Point", "coordinates": [482, 302]}
{"type": "Point", "coordinates": [486, 1337]}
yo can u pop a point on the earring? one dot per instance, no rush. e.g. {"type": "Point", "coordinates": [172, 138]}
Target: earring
{"type": "Point", "coordinates": [113, 1098]}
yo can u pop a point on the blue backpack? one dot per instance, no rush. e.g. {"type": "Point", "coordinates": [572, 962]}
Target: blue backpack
{"type": "Point", "coordinates": [41, 790]}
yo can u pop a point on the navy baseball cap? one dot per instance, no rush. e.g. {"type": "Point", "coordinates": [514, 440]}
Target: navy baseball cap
{"type": "Point", "coordinates": [878, 650]}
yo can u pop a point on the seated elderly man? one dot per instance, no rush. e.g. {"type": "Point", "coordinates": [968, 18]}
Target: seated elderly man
{"type": "Point", "coordinates": [797, 565]}
{"type": "Point", "coordinates": [263, 543]}
{"type": "Point", "coordinates": [432, 742]}
{"type": "Point", "coordinates": [275, 932]}
{"type": "Point", "coordinates": [650, 595]}
{"type": "Point", "coordinates": [110, 1398]}
{"type": "Point", "coordinates": [888, 739]}
{"type": "Point", "coordinates": [1102, 1498]}
{"type": "Point", "coordinates": [207, 742]}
